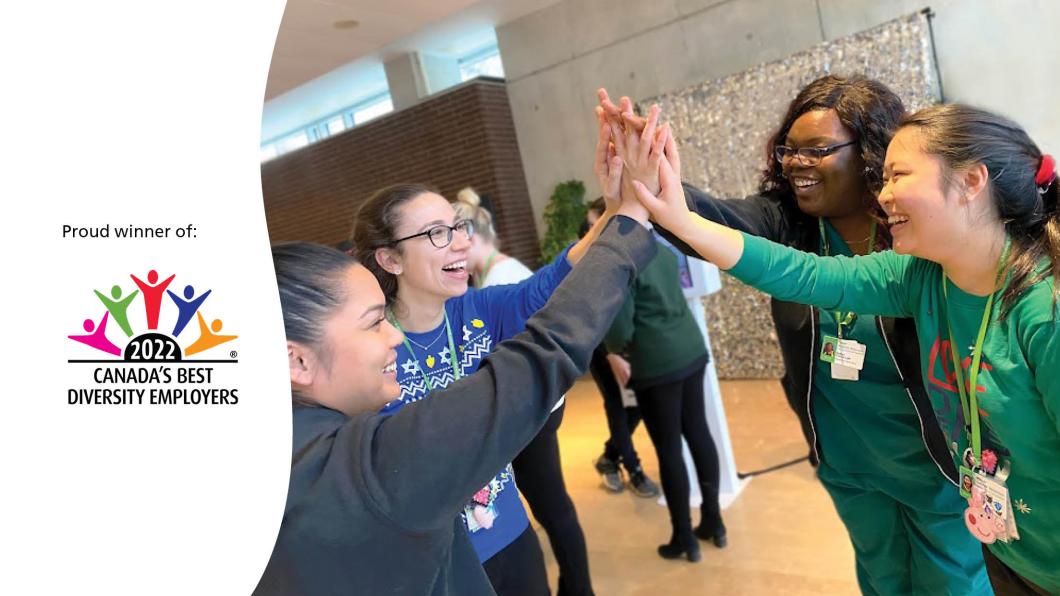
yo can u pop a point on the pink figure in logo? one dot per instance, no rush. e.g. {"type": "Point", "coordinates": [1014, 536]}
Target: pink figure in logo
{"type": "Point", "coordinates": [97, 336]}
{"type": "Point", "coordinates": [152, 291]}
{"type": "Point", "coordinates": [980, 519]}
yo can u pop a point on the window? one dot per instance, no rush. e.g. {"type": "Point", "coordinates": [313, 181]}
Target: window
{"type": "Point", "coordinates": [335, 126]}
{"type": "Point", "coordinates": [482, 62]}
{"type": "Point", "coordinates": [367, 111]}
{"type": "Point", "coordinates": [358, 113]}
{"type": "Point", "coordinates": [296, 141]}
{"type": "Point", "coordinates": [268, 152]}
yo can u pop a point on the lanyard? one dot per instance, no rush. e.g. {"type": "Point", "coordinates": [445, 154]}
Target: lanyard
{"type": "Point", "coordinates": [969, 400]}
{"type": "Point", "coordinates": [486, 269]}
{"type": "Point", "coordinates": [844, 320]}
{"type": "Point", "coordinates": [452, 352]}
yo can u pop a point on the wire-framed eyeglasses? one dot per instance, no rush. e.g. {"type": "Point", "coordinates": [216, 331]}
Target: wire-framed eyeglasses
{"type": "Point", "coordinates": [441, 235]}
{"type": "Point", "coordinates": [808, 156]}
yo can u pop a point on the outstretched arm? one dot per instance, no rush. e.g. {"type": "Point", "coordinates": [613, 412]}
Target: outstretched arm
{"type": "Point", "coordinates": [877, 284]}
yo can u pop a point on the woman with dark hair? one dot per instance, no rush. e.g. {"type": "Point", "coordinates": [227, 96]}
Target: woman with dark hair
{"type": "Point", "coordinates": [417, 246]}
{"type": "Point", "coordinates": [374, 504]}
{"type": "Point", "coordinates": [871, 432]}
{"type": "Point", "coordinates": [971, 204]}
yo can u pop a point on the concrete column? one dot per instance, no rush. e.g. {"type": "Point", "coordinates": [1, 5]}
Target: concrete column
{"type": "Point", "coordinates": [416, 75]}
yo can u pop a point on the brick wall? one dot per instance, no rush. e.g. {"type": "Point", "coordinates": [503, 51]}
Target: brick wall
{"type": "Point", "coordinates": [461, 137]}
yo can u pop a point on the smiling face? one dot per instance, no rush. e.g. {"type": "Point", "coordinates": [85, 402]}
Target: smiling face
{"type": "Point", "coordinates": [835, 187]}
{"type": "Point", "coordinates": [428, 275]}
{"type": "Point", "coordinates": [919, 202]}
{"type": "Point", "coordinates": [354, 369]}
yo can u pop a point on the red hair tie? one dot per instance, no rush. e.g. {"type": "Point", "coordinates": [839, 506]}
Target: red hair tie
{"type": "Point", "coordinates": [1046, 171]}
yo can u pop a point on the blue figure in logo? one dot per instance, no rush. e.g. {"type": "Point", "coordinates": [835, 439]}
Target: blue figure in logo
{"type": "Point", "coordinates": [186, 307]}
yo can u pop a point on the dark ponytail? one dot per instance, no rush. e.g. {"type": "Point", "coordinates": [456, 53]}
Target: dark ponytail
{"type": "Point", "coordinates": [962, 136]}
{"type": "Point", "coordinates": [376, 226]}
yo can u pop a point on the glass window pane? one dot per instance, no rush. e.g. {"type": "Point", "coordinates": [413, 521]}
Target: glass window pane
{"type": "Point", "coordinates": [335, 125]}
{"type": "Point", "coordinates": [268, 152]}
{"type": "Point", "coordinates": [489, 65]}
{"type": "Point", "coordinates": [374, 110]}
{"type": "Point", "coordinates": [295, 141]}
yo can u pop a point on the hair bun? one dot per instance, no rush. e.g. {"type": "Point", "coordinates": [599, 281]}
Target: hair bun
{"type": "Point", "coordinates": [468, 196]}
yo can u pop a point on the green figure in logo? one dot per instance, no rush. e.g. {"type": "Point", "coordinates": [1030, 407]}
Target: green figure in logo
{"type": "Point", "coordinates": [118, 308]}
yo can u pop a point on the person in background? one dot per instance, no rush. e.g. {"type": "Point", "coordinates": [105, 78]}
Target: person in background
{"type": "Point", "coordinates": [611, 374]}
{"type": "Point", "coordinates": [538, 470]}
{"type": "Point", "coordinates": [668, 357]}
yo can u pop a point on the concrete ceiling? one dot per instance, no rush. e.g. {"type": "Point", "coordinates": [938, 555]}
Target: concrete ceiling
{"type": "Point", "coordinates": [309, 44]}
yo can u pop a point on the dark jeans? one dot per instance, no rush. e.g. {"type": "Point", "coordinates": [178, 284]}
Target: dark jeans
{"type": "Point", "coordinates": [672, 410]}
{"type": "Point", "coordinates": [539, 476]}
{"type": "Point", "coordinates": [1007, 582]}
{"type": "Point", "coordinates": [621, 421]}
{"type": "Point", "coordinates": [519, 569]}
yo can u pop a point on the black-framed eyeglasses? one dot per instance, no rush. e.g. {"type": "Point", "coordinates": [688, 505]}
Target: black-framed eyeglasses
{"type": "Point", "coordinates": [441, 235]}
{"type": "Point", "coordinates": [808, 156]}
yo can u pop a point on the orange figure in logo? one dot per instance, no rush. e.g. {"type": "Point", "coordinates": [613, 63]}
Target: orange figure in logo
{"type": "Point", "coordinates": [208, 336]}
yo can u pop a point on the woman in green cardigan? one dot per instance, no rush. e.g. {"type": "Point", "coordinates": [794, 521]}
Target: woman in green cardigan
{"type": "Point", "coordinates": [667, 357]}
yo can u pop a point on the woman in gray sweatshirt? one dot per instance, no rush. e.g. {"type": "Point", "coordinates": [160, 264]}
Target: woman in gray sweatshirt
{"type": "Point", "coordinates": [373, 505]}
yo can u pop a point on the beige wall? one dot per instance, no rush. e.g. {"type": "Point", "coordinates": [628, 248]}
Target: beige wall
{"type": "Point", "coordinates": [1003, 55]}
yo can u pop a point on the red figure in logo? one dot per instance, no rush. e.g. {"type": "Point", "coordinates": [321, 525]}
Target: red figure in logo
{"type": "Point", "coordinates": [152, 291]}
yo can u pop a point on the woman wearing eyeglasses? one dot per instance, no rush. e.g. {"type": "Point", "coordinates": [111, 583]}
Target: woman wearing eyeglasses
{"type": "Point", "coordinates": [416, 245]}
{"type": "Point", "coordinates": [872, 433]}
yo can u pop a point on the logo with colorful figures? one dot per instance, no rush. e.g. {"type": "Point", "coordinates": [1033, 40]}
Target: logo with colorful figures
{"type": "Point", "coordinates": [191, 329]}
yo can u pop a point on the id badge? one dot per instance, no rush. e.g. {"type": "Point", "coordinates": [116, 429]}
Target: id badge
{"type": "Point", "coordinates": [844, 373]}
{"type": "Point", "coordinates": [967, 481]}
{"type": "Point", "coordinates": [989, 513]}
{"type": "Point", "coordinates": [850, 353]}
{"type": "Point", "coordinates": [828, 347]}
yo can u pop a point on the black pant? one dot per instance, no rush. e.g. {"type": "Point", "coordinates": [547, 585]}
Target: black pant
{"type": "Point", "coordinates": [672, 410]}
{"type": "Point", "coordinates": [539, 476]}
{"type": "Point", "coordinates": [621, 421]}
{"type": "Point", "coordinates": [519, 569]}
{"type": "Point", "coordinates": [1007, 582]}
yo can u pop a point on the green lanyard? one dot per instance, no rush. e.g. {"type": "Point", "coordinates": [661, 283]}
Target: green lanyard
{"type": "Point", "coordinates": [452, 351]}
{"type": "Point", "coordinates": [486, 269]}
{"type": "Point", "coordinates": [969, 400]}
{"type": "Point", "coordinates": [848, 319]}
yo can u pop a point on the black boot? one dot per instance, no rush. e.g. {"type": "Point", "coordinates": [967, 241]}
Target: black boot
{"type": "Point", "coordinates": [683, 544]}
{"type": "Point", "coordinates": [711, 527]}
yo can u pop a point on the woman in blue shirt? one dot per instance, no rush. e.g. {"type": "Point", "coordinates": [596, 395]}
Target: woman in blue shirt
{"type": "Point", "coordinates": [411, 238]}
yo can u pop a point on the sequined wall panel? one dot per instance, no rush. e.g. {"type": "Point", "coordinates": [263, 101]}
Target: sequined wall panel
{"type": "Point", "coordinates": [723, 126]}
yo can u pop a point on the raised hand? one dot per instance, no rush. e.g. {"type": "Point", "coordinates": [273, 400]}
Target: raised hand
{"type": "Point", "coordinates": [614, 112]}
{"type": "Point", "coordinates": [667, 205]}
{"type": "Point", "coordinates": [607, 166]}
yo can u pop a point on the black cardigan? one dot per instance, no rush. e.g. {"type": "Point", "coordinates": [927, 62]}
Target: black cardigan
{"type": "Point", "coordinates": [374, 502]}
{"type": "Point", "coordinates": [798, 330]}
